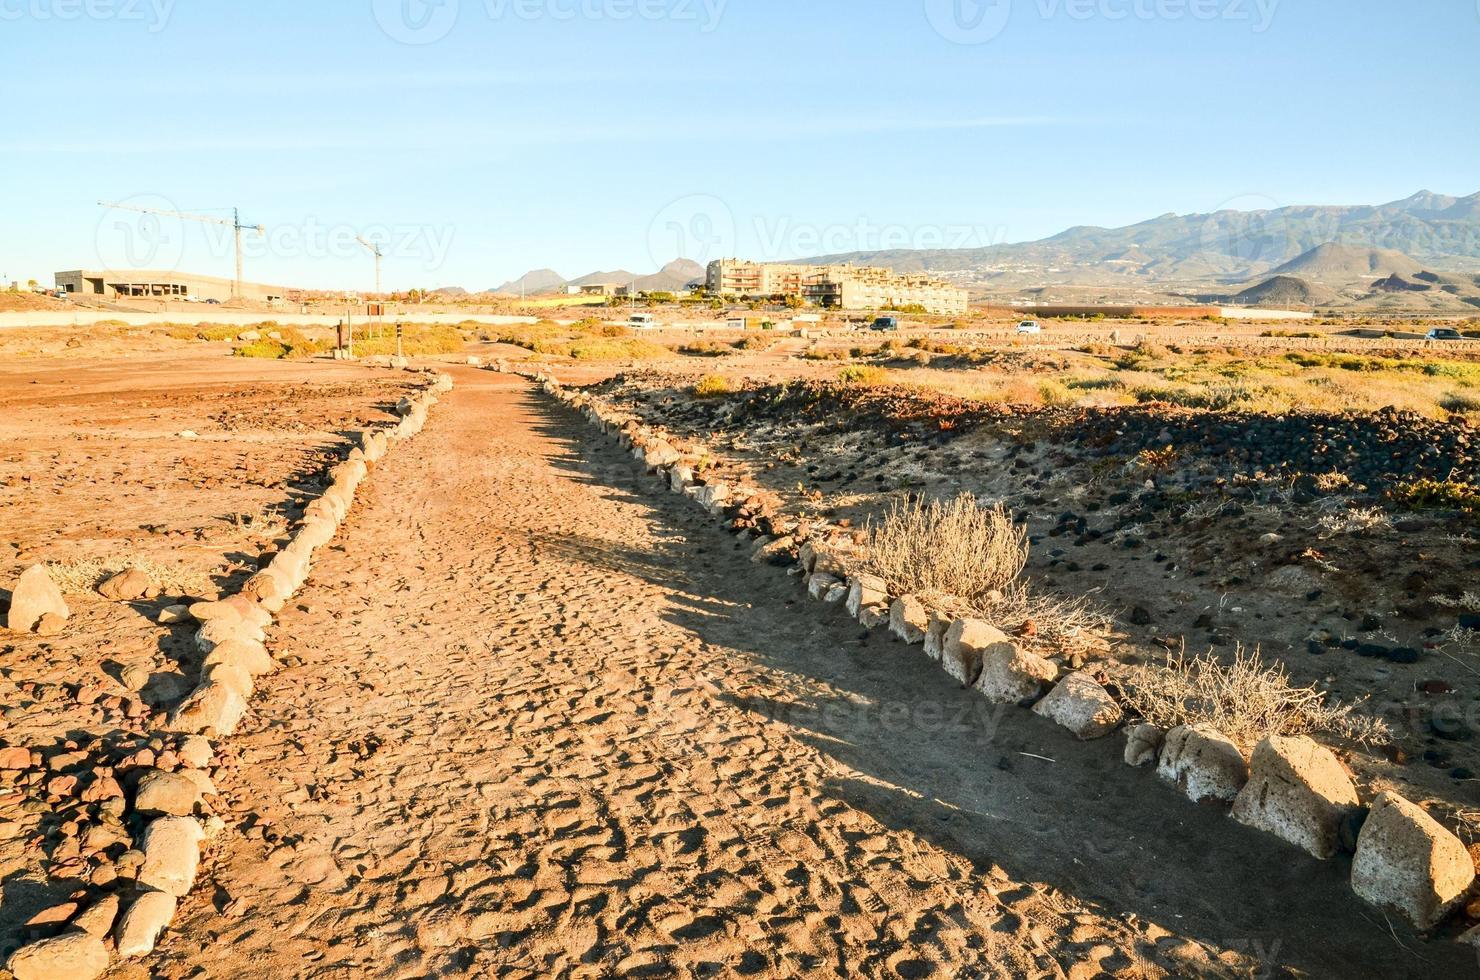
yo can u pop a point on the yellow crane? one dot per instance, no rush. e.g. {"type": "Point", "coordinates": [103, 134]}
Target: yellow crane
{"type": "Point", "coordinates": [235, 223]}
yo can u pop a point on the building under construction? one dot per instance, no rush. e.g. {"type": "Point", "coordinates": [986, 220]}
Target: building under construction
{"type": "Point", "coordinates": [835, 286]}
{"type": "Point", "coordinates": [110, 284]}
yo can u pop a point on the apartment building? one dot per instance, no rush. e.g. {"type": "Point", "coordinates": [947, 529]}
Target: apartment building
{"type": "Point", "coordinates": [837, 286]}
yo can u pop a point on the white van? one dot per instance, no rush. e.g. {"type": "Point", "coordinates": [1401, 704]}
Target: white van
{"type": "Point", "coordinates": [642, 321]}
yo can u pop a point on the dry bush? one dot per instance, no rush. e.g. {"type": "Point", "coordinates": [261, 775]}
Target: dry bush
{"type": "Point", "coordinates": [947, 549]}
{"type": "Point", "coordinates": [1353, 521]}
{"type": "Point", "coordinates": [83, 576]}
{"type": "Point", "coordinates": [1246, 701]}
{"type": "Point", "coordinates": [712, 386]}
{"type": "Point", "coordinates": [1068, 623]}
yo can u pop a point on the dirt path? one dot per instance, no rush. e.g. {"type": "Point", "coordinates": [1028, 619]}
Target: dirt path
{"type": "Point", "coordinates": [536, 722]}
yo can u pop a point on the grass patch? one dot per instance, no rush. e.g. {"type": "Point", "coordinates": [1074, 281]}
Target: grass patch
{"type": "Point", "coordinates": [293, 343]}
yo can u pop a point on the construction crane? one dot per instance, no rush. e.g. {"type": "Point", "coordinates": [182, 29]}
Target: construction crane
{"type": "Point", "coordinates": [235, 224]}
{"type": "Point", "coordinates": [374, 250]}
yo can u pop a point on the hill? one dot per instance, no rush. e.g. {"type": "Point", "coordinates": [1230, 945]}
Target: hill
{"type": "Point", "coordinates": [673, 277]}
{"type": "Point", "coordinates": [1284, 291]}
{"type": "Point", "coordinates": [1336, 263]}
{"type": "Point", "coordinates": [533, 283]}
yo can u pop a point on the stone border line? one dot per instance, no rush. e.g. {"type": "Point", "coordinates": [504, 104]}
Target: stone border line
{"type": "Point", "coordinates": [1291, 787]}
{"type": "Point", "coordinates": [232, 635]}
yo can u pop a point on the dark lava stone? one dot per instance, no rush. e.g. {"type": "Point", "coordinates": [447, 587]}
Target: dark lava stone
{"type": "Point", "coordinates": [1452, 729]}
{"type": "Point", "coordinates": [1371, 624]}
{"type": "Point", "coordinates": [1141, 616]}
{"type": "Point", "coordinates": [1462, 773]}
{"type": "Point", "coordinates": [1402, 655]}
{"type": "Point", "coordinates": [1316, 648]}
{"type": "Point", "coordinates": [1371, 650]}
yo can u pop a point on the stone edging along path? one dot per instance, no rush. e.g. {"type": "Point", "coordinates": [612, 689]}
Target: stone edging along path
{"type": "Point", "coordinates": [232, 636]}
{"type": "Point", "coordinates": [1291, 787]}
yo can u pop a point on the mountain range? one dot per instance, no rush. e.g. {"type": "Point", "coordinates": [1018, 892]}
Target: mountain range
{"type": "Point", "coordinates": [672, 277]}
{"type": "Point", "coordinates": [1223, 246]}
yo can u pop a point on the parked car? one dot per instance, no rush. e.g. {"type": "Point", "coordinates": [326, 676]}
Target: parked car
{"type": "Point", "coordinates": [1029, 326]}
{"type": "Point", "coordinates": [1445, 333]}
{"type": "Point", "coordinates": [213, 302]}
{"type": "Point", "coordinates": [888, 323]}
{"type": "Point", "coordinates": [642, 321]}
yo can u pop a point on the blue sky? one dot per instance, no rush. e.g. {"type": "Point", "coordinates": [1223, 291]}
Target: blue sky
{"type": "Point", "coordinates": [476, 139]}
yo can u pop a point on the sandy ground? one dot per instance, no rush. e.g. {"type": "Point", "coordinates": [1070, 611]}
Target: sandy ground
{"type": "Point", "coordinates": [95, 473]}
{"type": "Point", "coordinates": [538, 719]}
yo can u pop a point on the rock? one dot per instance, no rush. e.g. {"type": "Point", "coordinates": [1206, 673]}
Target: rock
{"type": "Point", "coordinates": [135, 677]}
{"type": "Point", "coordinates": [218, 631]}
{"type": "Point", "coordinates": [819, 585]}
{"type": "Point", "coordinates": [935, 634]}
{"type": "Point", "coordinates": [1080, 704]}
{"type": "Point", "coordinates": [1010, 675]}
{"type": "Point", "coordinates": [909, 619]}
{"type": "Point", "coordinates": [1299, 792]}
{"type": "Point", "coordinates": [1204, 763]}
{"type": "Point", "coordinates": [127, 586]}
{"type": "Point", "coordinates": [966, 643]}
{"type": "Point", "coordinates": [1143, 743]}
{"type": "Point", "coordinates": [15, 757]}
{"type": "Point", "coordinates": [233, 675]}
{"type": "Point", "coordinates": [776, 552]}
{"type": "Point", "coordinates": [170, 615]}
{"type": "Point", "coordinates": [832, 559]}
{"type": "Point", "coordinates": [97, 920]}
{"type": "Point", "coordinates": [70, 956]}
{"type": "Point", "coordinates": [250, 656]}
{"type": "Point", "coordinates": [51, 625]}
{"type": "Point", "coordinates": [1407, 862]}
{"type": "Point", "coordinates": [211, 707]}
{"type": "Point", "coordinates": [196, 751]}
{"type": "Point", "coordinates": [836, 594]}
{"type": "Point", "coordinates": [166, 793]}
{"type": "Point", "coordinates": [141, 925]}
{"type": "Point", "coordinates": [866, 592]}
{"type": "Point", "coordinates": [171, 853]}
{"type": "Point", "coordinates": [35, 595]}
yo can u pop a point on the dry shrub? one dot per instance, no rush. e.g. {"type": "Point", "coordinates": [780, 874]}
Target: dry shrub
{"type": "Point", "coordinates": [1247, 701]}
{"type": "Point", "coordinates": [947, 549]}
{"type": "Point", "coordinates": [83, 576]}
{"type": "Point", "coordinates": [712, 386]}
{"type": "Point", "coordinates": [1067, 623]}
